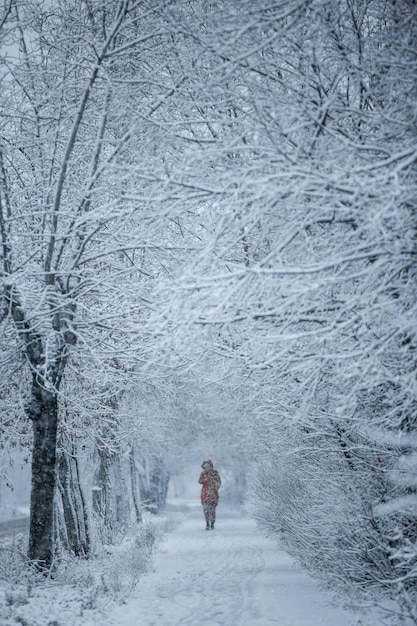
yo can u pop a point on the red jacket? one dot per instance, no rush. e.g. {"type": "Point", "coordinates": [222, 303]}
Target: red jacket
{"type": "Point", "coordinates": [210, 479]}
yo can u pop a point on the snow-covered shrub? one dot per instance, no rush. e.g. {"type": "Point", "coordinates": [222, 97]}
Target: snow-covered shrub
{"type": "Point", "coordinates": [78, 586]}
{"type": "Point", "coordinates": [13, 560]}
{"type": "Point", "coordinates": [123, 565]}
{"type": "Point", "coordinates": [316, 498]}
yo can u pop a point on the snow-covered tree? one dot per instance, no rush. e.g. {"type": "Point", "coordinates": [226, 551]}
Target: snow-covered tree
{"type": "Point", "coordinates": [221, 193]}
{"type": "Point", "coordinates": [82, 229]}
{"type": "Point", "coordinates": [306, 266]}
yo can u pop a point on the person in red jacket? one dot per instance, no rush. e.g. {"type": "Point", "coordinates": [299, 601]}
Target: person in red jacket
{"type": "Point", "coordinates": [210, 479]}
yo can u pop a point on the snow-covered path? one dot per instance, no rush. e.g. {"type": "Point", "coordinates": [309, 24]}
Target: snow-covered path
{"type": "Point", "coordinates": [231, 576]}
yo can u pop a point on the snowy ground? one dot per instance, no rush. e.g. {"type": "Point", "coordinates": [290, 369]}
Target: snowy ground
{"type": "Point", "coordinates": [231, 576]}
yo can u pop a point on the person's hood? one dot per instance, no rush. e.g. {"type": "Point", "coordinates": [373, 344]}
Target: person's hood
{"type": "Point", "coordinates": [207, 464]}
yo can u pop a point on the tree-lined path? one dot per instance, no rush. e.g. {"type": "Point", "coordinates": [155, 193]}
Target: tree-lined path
{"type": "Point", "coordinates": [208, 243]}
{"type": "Point", "coordinates": [232, 576]}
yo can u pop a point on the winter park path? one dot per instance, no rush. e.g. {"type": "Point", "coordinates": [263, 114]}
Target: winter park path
{"type": "Point", "coordinates": [232, 576]}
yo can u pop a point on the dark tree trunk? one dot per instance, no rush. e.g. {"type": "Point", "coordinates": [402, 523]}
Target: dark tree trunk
{"type": "Point", "coordinates": [159, 485]}
{"type": "Point", "coordinates": [44, 414]}
{"type": "Point", "coordinates": [104, 499]}
{"type": "Point", "coordinates": [120, 491]}
{"type": "Point", "coordinates": [73, 504]}
{"type": "Point", "coordinates": [135, 486]}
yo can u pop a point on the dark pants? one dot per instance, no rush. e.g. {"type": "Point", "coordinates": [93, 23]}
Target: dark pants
{"type": "Point", "coordinates": [209, 512]}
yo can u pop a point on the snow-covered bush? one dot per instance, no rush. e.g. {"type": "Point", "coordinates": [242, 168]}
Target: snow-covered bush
{"type": "Point", "coordinates": [78, 587]}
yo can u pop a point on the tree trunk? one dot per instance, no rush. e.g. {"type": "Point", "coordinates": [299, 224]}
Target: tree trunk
{"type": "Point", "coordinates": [154, 485]}
{"type": "Point", "coordinates": [135, 486]}
{"type": "Point", "coordinates": [73, 504]}
{"type": "Point", "coordinates": [104, 500]}
{"type": "Point", "coordinates": [44, 414]}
